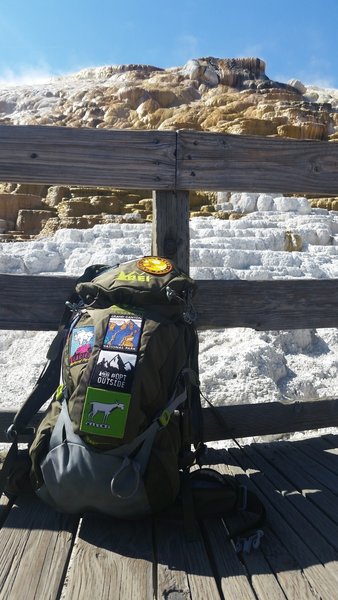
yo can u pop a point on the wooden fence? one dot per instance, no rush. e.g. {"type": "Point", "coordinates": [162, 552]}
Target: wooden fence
{"type": "Point", "coordinates": [172, 163]}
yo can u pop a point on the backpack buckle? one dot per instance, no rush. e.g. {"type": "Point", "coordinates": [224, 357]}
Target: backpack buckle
{"type": "Point", "coordinates": [247, 544]}
{"type": "Point", "coordinates": [11, 433]}
{"type": "Point", "coordinates": [164, 418]}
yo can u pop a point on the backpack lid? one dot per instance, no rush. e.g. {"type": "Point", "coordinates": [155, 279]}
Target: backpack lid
{"type": "Point", "coordinates": [150, 280]}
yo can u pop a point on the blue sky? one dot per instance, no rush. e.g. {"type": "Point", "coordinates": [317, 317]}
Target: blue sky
{"type": "Point", "coordinates": [297, 39]}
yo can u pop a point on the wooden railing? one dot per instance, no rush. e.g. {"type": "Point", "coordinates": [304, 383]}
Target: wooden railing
{"type": "Point", "coordinates": [171, 164]}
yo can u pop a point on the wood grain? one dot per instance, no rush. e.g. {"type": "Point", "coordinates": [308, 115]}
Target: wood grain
{"type": "Point", "coordinates": [244, 420]}
{"type": "Point", "coordinates": [271, 568]}
{"type": "Point", "coordinates": [184, 571]}
{"type": "Point", "coordinates": [292, 528]}
{"type": "Point", "coordinates": [214, 161]}
{"type": "Point", "coordinates": [170, 232]}
{"type": "Point", "coordinates": [29, 302]}
{"type": "Point", "coordinates": [112, 560]}
{"type": "Point", "coordinates": [33, 538]}
{"type": "Point", "coordinates": [91, 157]}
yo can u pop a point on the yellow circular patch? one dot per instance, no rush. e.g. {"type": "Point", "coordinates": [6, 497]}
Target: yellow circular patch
{"type": "Point", "coordinates": [155, 265]}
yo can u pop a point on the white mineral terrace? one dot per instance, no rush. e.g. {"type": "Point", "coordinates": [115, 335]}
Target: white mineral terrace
{"type": "Point", "coordinates": [236, 365]}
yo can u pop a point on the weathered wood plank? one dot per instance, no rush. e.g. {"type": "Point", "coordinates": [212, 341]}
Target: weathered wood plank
{"type": "Point", "coordinates": [231, 574]}
{"type": "Point", "coordinates": [288, 525]}
{"type": "Point", "coordinates": [271, 568]}
{"type": "Point", "coordinates": [244, 420]}
{"type": "Point", "coordinates": [29, 302]}
{"type": "Point", "coordinates": [323, 475]}
{"type": "Point", "coordinates": [320, 522]}
{"type": "Point", "coordinates": [213, 161]}
{"type": "Point", "coordinates": [36, 543]}
{"type": "Point", "coordinates": [112, 559]}
{"type": "Point", "coordinates": [66, 155]}
{"type": "Point", "coordinates": [170, 232]}
{"type": "Point", "coordinates": [263, 305]}
{"type": "Point", "coordinates": [324, 456]}
{"type": "Point", "coordinates": [183, 568]}
{"type": "Point", "coordinates": [303, 481]}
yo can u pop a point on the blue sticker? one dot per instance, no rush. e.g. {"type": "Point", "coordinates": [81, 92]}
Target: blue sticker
{"type": "Point", "coordinates": [123, 333]}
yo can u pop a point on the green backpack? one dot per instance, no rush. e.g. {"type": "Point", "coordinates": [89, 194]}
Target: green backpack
{"type": "Point", "coordinates": [117, 431]}
{"type": "Point", "coordinates": [125, 423]}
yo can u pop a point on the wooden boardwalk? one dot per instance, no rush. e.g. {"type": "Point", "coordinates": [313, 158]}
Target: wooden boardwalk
{"type": "Point", "coordinates": [44, 554]}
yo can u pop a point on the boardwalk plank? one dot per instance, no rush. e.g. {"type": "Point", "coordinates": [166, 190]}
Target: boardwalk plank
{"type": "Point", "coordinates": [321, 473]}
{"type": "Point", "coordinates": [231, 572]}
{"type": "Point", "coordinates": [183, 571]}
{"type": "Point", "coordinates": [285, 568]}
{"type": "Point", "coordinates": [36, 543]}
{"type": "Point", "coordinates": [272, 570]}
{"type": "Point", "coordinates": [326, 457]}
{"type": "Point", "coordinates": [112, 559]}
{"type": "Point", "coordinates": [303, 481]}
{"type": "Point", "coordinates": [317, 523]}
{"type": "Point", "coordinates": [322, 579]}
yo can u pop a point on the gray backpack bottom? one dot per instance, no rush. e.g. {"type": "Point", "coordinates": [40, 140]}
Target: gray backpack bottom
{"type": "Point", "coordinates": [77, 479]}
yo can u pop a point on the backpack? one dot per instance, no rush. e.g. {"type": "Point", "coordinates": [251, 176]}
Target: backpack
{"type": "Point", "coordinates": [124, 425]}
{"type": "Point", "coordinates": [117, 423]}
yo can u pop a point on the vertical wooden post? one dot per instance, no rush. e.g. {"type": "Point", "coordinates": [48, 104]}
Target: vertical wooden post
{"type": "Point", "coordinates": [170, 234]}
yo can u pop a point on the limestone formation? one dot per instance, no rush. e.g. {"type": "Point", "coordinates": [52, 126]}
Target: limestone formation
{"type": "Point", "coordinates": [228, 95]}
{"type": "Point", "coordinates": [10, 204]}
{"type": "Point", "coordinates": [31, 221]}
{"type": "Point", "coordinates": [56, 194]}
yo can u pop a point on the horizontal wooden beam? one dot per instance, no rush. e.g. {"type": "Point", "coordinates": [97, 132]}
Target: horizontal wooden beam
{"type": "Point", "coordinates": [264, 305]}
{"type": "Point", "coordinates": [245, 420]}
{"type": "Point", "coordinates": [161, 160]}
{"type": "Point", "coordinates": [268, 418]}
{"type": "Point", "coordinates": [36, 303]}
{"type": "Point", "coordinates": [92, 157]}
{"type": "Point", "coordinates": [212, 161]}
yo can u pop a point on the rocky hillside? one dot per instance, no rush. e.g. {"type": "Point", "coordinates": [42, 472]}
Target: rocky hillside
{"type": "Point", "coordinates": [208, 94]}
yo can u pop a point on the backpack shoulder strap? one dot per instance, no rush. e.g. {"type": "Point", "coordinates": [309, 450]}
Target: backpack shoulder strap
{"type": "Point", "coordinates": [49, 378]}
{"type": "Point", "coordinates": [192, 416]}
{"type": "Point", "coordinates": [47, 382]}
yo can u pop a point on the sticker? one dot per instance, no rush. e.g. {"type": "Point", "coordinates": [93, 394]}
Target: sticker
{"type": "Point", "coordinates": [155, 265]}
{"type": "Point", "coordinates": [81, 344]}
{"type": "Point", "coordinates": [123, 333]}
{"type": "Point", "coordinates": [132, 276]}
{"type": "Point", "coordinates": [114, 371]}
{"type": "Point", "coordinates": [105, 413]}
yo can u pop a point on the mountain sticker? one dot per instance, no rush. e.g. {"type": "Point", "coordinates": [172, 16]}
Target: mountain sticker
{"type": "Point", "coordinates": [114, 371]}
{"type": "Point", "coordinates": [123, 333]}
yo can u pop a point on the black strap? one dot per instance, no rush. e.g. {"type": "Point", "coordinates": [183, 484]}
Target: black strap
{"type": "Point", "coordinates": [8, 465]}
{"type": "Point", "coordinates": [196, 406]}
{"type": "Point", "coordinates": [188, 508]}
{"type": "Point", "coordinates": [253, 512]}
{"type": "Point", "coordinates": [44, 388]}
{"type": "Point", "coordinates": [50, 376]}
